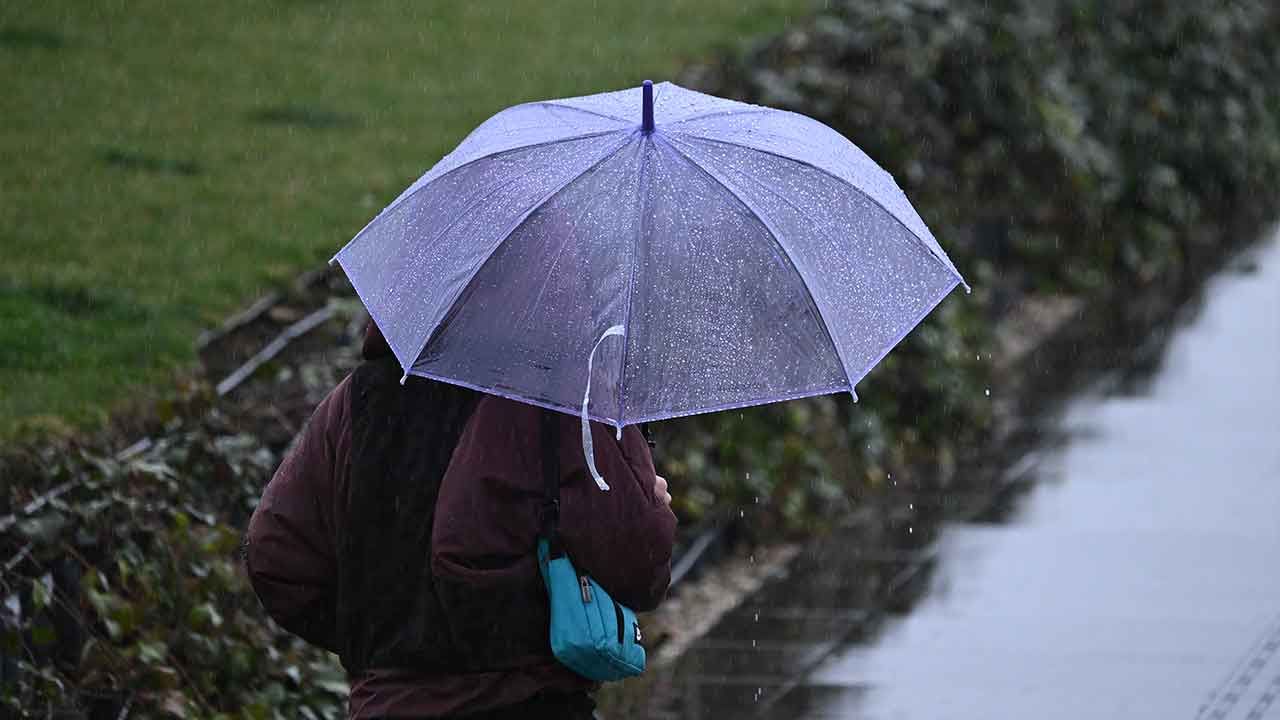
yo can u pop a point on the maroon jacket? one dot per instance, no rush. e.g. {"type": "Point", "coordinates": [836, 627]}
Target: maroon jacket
{"type": "Point", "coordinates": [488, 506]}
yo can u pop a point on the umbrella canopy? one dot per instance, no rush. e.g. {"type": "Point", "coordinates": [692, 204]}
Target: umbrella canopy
{"type": "Point", "coordinates": [686, 252]}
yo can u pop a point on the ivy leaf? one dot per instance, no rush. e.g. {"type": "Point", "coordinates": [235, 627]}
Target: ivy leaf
{"type": "Point", "coordinates": [44, 529]}
{"type": "Point", "coordinates": [205, 615]}
{"type": "Point", "coordinates": [153, 653]}
{"type": "Point", "coordinates": [42, 591]}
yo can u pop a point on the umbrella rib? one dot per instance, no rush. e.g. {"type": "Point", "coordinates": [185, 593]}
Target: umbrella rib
{"type": "Point", "coordinates": [480, 198]}
{"type": "Point", "coordinates": [503, 238]}
{"type": "Point", "coordinates": [631, 282]}
{"type": "Point", "coordinates": [751, 110]}
{"type": "Point", "coordinates": [487, 156]}
{"type": "Point", "coordinates": [553, 103]}
{"type": "Point", "coordinates": [946, 265]}
{"type": "Point", "coordinates": [768, 226]}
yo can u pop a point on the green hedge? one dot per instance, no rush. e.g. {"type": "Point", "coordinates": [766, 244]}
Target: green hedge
{"type": "Point", "coordinates": [128, 593]}
{"type": "Point", "coordinates": [1077, 147]}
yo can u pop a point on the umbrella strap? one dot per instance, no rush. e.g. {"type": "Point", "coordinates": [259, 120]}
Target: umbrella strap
{"type": "Point", "coordinates": [588, 449]}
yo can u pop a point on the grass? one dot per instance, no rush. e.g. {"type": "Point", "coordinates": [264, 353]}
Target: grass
{"type": "Point", "coordinates": [164, 162]}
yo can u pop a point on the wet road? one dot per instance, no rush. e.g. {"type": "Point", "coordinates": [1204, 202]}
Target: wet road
{"type": "Point", "coordinates": [1140, 578]}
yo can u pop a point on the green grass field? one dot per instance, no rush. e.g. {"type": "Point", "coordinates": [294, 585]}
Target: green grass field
{"type": "Point", "coordinates": [163, 163]}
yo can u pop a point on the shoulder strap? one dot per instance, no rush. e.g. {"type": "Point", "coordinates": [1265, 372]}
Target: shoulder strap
{"type": "Point", "coordinates": [551, 479]}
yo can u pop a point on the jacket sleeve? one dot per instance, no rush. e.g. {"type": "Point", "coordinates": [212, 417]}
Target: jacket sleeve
{"type": "Point", "coordinates": [622, 537]}
{"type": "Point", "coordinates": [290, 552]}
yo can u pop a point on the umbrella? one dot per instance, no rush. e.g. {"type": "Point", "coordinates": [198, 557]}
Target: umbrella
{"type": "Point", "coordinates": [685, 252]}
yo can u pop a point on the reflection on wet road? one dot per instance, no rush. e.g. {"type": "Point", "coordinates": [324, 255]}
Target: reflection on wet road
{"type": "Point", "coordinates": [1139, 579]}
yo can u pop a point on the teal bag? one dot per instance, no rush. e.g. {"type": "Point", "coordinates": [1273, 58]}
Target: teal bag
{"type": "Point", "coordinates": [591, 633]}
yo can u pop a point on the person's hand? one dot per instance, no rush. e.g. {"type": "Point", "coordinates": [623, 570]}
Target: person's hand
{"type": "Point", "coordinates": [660, 489]}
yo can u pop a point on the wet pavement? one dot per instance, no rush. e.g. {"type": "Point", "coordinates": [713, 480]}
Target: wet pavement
{"type": "Point", "coordinates": [1127, 566]}
{"type": "Point", "coordinates": [1139, 578]}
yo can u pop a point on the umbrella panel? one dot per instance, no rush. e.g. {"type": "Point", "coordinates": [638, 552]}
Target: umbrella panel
{"type": "Point", "coordinates": [714, 313]}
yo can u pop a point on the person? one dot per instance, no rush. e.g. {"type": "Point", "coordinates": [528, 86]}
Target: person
{"type": "Point", "coordinates": [400, 533]}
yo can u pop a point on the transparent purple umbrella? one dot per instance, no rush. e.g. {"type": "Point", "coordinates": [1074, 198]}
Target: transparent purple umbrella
{"type": "Point", "coordinates": [648, 253]}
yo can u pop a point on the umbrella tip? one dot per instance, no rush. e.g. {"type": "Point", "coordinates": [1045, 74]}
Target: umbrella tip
{"type": "Point", "coordinates": [647, 114]}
